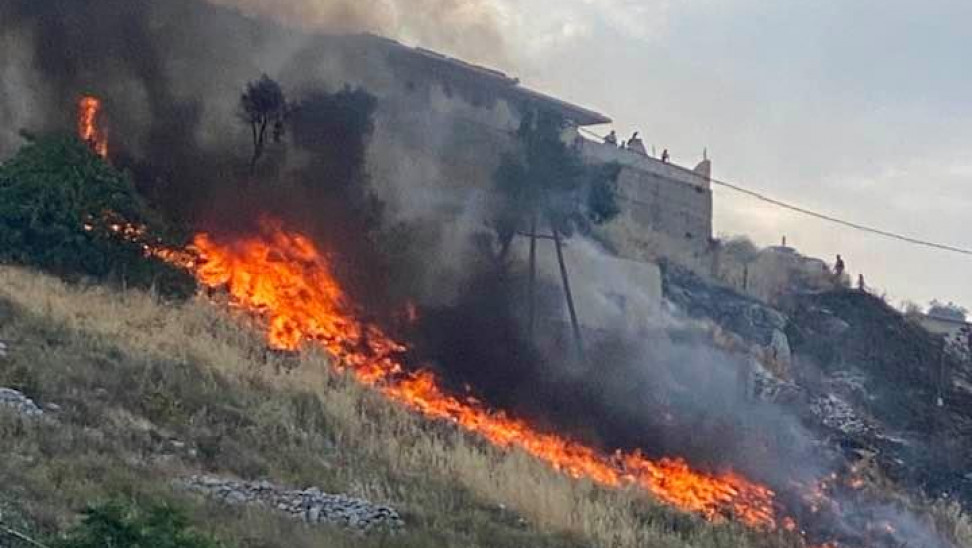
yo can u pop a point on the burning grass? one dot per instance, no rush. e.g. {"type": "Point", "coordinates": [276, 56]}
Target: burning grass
{"type": "Point", "coordinates": [284, 278]}
{"type": "Point", "coordinates": [133, 374]}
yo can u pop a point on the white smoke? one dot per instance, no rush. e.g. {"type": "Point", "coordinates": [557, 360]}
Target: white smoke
{"type": "Point", "coordinates": [19, 89]}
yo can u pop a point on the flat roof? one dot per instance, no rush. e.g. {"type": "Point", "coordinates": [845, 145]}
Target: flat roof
{"type": "Point", "coordinates": [505, 85]}
{"type": "Point", "coordinates": [947, 320]}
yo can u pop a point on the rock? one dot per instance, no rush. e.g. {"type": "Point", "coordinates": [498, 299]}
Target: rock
{"type": "Point", "coordinates": [780, 346]}
{"type": "Point", "coordinates": [847, 384]}
{"type": "Point", "coordinates": [752, 320]}
{"type": "Point", "coordinates": [767, 387]}
{"type": "Point", "coordinates": [20, 403]}
{"type": "Point", "coordinates": [836, 413]}
{"type": "Point", "coordinates": [236, 497]}
{"type": "Point", "coordinates": [310, 505]}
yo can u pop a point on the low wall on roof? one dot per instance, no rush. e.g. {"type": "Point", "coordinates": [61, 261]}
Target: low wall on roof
{"type": "Point", "coordinates": [664, 207]}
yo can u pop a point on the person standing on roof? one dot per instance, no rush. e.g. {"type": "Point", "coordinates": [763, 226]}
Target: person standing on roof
{"type": "Point", "coordinates": [665, 156]}
{"type": "Point", "coordinates": [635, 144]}
{"type": "Point", "coordinates": [839, 269]}
{"type": "Point", "coordinates": [612, 138]}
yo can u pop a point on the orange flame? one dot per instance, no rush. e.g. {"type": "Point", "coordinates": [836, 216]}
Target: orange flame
{"type": "Point", "coordinates": [284, 278]}
{"type": "Point", "coordinates": [88, 130]}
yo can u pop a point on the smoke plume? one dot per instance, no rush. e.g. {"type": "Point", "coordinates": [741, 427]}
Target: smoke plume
{"type": "Point", "coordinates": [466, 28]}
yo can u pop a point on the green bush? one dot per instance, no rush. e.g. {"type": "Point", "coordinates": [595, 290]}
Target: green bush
{"type": "Point", "coordinates": [60, 209]}
{"type": "Point", "coordinates": [122, 525]}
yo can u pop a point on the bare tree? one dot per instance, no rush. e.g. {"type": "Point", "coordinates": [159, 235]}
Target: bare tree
{"type": "Point", "coordinates": [263, 106]}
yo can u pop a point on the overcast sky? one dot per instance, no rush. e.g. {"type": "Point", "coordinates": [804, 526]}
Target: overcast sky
{"type": "Point", "coordinates": [859, 108]}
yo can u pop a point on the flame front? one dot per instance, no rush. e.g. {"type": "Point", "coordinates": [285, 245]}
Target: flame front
{"type": "Point", "coordinates": [88, 129]}
{"type": "Point", "coordinates": [284, 278]}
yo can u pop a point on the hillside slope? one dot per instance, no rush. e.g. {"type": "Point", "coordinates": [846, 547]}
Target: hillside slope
{"type": "Point", "coordinates": [891, 371]}
{"type": "Point", "coordinates": [146, 393]}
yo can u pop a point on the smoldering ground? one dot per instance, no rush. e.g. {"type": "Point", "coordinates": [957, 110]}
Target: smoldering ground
{"type": "Point", "coordinates": [667, 394]}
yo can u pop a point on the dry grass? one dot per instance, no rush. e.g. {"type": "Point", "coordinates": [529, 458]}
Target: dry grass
{"type": "Point", "coordinates": [133, 375]}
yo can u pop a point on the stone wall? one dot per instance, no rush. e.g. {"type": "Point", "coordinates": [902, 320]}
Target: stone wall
{"type": "Point", "coordinates": [666, 210]}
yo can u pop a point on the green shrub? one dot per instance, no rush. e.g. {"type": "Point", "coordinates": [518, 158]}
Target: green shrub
{"type": "Point", "coordinates": [61, 207]}
{"type": "Point", "coordinates": [122, 525]}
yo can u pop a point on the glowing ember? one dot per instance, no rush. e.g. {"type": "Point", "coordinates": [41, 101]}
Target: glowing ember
{"type": "Point", "coordinates": [284, 278]}
{"type": "Point", "coordinates": [88, 130]}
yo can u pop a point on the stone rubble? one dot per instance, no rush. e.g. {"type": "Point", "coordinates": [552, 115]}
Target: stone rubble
{"type": "Point", "coordinates": [21, 404]}
{"type": "Point", "coordinates": [310, 505]}
{"type": "Point", "coordinates": [836, 413]}
{"type": "Point", "coordinates": [767, 387]}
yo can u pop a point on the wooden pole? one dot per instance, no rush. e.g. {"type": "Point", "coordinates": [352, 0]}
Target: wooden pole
{"type": "Point", "coordinates": [578, 339]}
{"type": "Point", "coordinates": [532, 289]}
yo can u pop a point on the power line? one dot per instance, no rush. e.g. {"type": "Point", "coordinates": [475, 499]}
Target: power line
{"type": "Point", "coordinates": [829, 218]}
{"type": "Point", "coordinates": [849, 224]}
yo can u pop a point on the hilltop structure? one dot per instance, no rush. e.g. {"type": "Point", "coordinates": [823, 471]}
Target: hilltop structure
{"type": "Point", "coordinates": [442, 128]}
{"type": "Point", "coordinates": [463, 117]}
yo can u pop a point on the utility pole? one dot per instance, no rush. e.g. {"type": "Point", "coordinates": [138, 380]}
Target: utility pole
{"type": "Point", "coordinates": [532, 289]}
{"type": "Point", "coordinates": [557, 239]}
{"type": "Point", "coordinates": [578, 337]}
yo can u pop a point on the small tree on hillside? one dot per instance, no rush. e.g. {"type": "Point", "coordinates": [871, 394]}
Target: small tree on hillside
{"type": "Point", "coordinates": [61, 209]}
{"type": "Point", "coordinates": [545, 184]}
{"type": "Point", "coordinates": [264, 108]}
{"type": "Point", "coordinates": [335, 128]}
{"type": "Point", "coordinates": [121, 524]}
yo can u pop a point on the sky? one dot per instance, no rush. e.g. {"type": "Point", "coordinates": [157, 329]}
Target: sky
{"type": "Point", "coordinates": [861, 109]}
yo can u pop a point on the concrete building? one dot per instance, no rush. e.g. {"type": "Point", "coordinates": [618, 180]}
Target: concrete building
{"type": "Point", "coordinates": [460, 118]}
{"type": "Point", "coordinates": [955, 331]}
{"type": "Point", "coordinates": [442, 128]}
{"type": "Point", "coordinates": [666, 209]}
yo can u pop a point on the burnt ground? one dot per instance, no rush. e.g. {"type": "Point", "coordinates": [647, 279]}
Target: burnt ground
{"type": "Point", "coordinates": [896, 367]}
{"type": "Point", "coordinates": [865, 378]}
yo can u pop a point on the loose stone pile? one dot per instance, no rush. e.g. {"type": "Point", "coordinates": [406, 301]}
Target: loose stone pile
{"type": "Point", "coordinates": [310, 505]}
{"type": "Point", "coordinates": [21, 404]}
{"type": "Point", "coordinates": [840, 415]}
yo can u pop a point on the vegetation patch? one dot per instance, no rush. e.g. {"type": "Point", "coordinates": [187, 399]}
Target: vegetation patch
{"type": "Point", "coordinates": [65, 210]}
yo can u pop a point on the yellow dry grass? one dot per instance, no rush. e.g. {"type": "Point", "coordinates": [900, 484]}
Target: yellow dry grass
{"type": "Point", "coordinates": [123, 364]}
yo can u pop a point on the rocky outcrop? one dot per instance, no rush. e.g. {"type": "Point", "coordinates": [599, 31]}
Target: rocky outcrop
{"type": "Point", "coordinates": [839, 415]}
{"type": "Point", "coordinates": [19, 403]}
{"type": "Point", "coordinates": [745, 324]}
{"type": "Point", "coordinates": [882, 383]}
{"type": "Point", "coordinates": [312, 506]}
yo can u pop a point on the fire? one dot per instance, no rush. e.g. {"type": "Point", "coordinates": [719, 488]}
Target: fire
{"type": "Point", "coordinates": [285, 279]}
{"type": "Point", "coordinates": [88, 130]}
